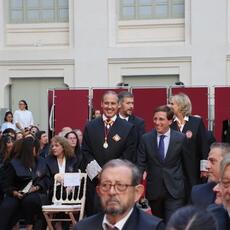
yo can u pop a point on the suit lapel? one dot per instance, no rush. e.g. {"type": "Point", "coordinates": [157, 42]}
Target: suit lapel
{"type": "Point", "coordinates": [116, 128]}
{"type": "Point", "coordinates": [131, 223]}
{"type": "Point", "coordinates": [54, 165]}
{"type": "Point", "coordinates": [100, 129]}
{"type": "Point", "coordinates": [186, 127]}
{"type": "Point", "coordinates": [175, 126]}
{"type": "Point", "coordinates": [98, 222]}
{"type": "Point", "coordinates": [155, 153]}
{"type": "Point", "coordinates": [69, 165]}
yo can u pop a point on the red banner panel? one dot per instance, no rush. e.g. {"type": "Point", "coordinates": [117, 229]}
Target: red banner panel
{"type": "Point", "coordinates": [146, 100]}
{"type": "Point", "coordinates": [71, 109]}
{"type": "Point", "coordinates": [222, 109]}
{"type": "Point", "coordinates": [199, 100]}
{"type": "Point", "coordinates": [98, 93]}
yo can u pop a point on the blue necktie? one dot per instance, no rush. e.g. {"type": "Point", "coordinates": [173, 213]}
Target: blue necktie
{"type": "Point", "coordinates": [161, 147]}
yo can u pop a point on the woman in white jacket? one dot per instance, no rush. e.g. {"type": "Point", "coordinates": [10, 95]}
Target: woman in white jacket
{"type": "Point", "coordinates": [23, 118]}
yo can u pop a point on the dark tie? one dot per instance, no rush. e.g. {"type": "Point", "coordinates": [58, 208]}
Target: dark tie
{"type": "Point", "coordinates": [161, 147]}
{"type": "Point", "coordinates": [108, 227]}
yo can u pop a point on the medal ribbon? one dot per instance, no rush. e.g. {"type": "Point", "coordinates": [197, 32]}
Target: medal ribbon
{"type": "Point", "coordinates": [108, 124]}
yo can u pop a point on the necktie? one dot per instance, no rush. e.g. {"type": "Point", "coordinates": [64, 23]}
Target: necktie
{"type": "Point", "coordinates": [161, 147]}
{"type": "Point", "coordinates": [108, 227]}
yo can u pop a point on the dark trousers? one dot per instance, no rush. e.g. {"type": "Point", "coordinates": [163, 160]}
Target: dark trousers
{"type": "Point", "coordinates": [93, 204]}
{"type": "Point", "coordinates": [165, 205]}
{"type": "Point", "coordinates": [12, 209]}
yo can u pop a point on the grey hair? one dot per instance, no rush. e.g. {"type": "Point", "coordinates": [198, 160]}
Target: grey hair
{"type": "Point", "coordinates": [224, 164]}
{"type": "Point", "coordinates": [136, 174]}
{"type": "Point", "coordinates": [124, 94]}
{"type": "Point", "coordinates": [224, 147]}
{"type": "Point", "coordinates": [183, 102]}
{"type": "Point", "coordinates": [191, 218]}
{"type": "Point", "coordinates": [109, 92]}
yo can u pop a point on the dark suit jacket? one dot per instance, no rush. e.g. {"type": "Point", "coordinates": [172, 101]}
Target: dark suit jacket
{"type": "Point", "coordinates": [202, 195]}
{"type": "Point", "coordinates": [196, 146]}
{"type": "Point", "coordinates": [221, 216]}
{"type": "Point", "coordinates": [18, 176]}
{"type": "Point", "coordinates": [121, 141]}
{"type": "Point", "coordinates": [138, 220]}
{"type": "Point", "coordinates": [169, 172]}
{"type": "Point", "coordinates": [52, 169]}
{"type": "Point", "coordinates": [139, 123]}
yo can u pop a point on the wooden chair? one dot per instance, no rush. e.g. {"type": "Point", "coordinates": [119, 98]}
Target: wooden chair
{"type": "Point", "coordinates": [68, 198]}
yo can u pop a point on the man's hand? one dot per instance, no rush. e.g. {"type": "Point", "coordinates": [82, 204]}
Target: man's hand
{"type": "Point", "coordinates": [18, 195]}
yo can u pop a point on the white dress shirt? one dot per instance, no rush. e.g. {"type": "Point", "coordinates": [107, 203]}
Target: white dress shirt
{"type": "Point", "coordinates": [120, 224]}
{"type": "Point", "coordinates": [124, 118]}
{"type": "Point", "coordinates": [181, 126]}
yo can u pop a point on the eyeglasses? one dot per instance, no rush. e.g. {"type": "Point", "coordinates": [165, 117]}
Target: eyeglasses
{"type": "Point", "coordinates": [119, 187]}
{"type": "Point", "coordinates": [225, 184]}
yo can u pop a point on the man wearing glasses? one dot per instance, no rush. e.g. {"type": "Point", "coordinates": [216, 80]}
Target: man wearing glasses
{"type": "Point", "coordinates": [222, 213]}
{"type": "Point", "coordinates": [119, 189]}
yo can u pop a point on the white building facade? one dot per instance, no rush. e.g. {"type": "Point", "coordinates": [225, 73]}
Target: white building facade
{"type": "Point", "coordinates": [100, 43]}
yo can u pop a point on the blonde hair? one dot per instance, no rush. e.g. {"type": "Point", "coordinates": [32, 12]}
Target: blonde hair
{"type": "Point", "coordinates": [183, 102]}
{"type": "Point", "coordinates": [67, 149]}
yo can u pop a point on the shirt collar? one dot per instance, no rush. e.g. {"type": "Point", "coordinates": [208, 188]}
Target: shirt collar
{"type": "Point", "coordinates": [124, 118]}
{"type": "Point", "coordinates": [113, 119]}
{"type": "Point", "coordinates": [167, 134]}
{"type": "Point", "coordinates": [186, 118]}
{"type": "Point", "coordinates": [120, 224]}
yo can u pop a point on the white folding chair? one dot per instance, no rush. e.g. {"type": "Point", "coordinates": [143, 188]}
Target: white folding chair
{"type": "Point", "coordinates": [68, 197]}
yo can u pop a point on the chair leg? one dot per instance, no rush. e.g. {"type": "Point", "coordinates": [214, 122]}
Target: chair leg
{"type": "Point", "coordinates": [72, 218]}
{"type": "Point", "coordinates": [49, 223]}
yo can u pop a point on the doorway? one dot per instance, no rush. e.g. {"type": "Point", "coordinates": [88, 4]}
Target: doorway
{"type": "Point", "coordinates": [35, 92]}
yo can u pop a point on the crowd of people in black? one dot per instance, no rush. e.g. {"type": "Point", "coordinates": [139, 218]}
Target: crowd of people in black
{"type": "Point", "coordinates": [178, 161]}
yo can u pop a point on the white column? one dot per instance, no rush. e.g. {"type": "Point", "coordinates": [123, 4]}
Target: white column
{"type": "Point", "coordinates": [209, 37]}
{"type": "Point", "coordinates": [90, 39]}
{"type": "Point", "coordinates": [3, 19]}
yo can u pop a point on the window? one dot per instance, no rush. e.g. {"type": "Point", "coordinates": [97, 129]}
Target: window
{"type": "Point", "coordinates": [38, 11]}
{"type": "Point", "coordinates": [151, 9]}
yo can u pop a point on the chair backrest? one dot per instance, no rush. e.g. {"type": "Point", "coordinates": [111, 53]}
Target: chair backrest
{"type": "Point", "coordinates": [69, 188]}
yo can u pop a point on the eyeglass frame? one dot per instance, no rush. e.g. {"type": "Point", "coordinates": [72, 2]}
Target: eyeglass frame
{"type": "Point", "coordinates": [224, 184]}
{"type": "Point", "coordinates": [115, 187]}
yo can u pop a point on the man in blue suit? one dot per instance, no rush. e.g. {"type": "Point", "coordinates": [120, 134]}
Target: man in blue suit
{"type": "Point", "coordinates": [119, 189]}
{"type": "Point", "coordinates": [163, 160]}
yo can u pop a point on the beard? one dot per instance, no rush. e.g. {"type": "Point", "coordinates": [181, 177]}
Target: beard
{"type": "Point", "coordinates": [114, 210]}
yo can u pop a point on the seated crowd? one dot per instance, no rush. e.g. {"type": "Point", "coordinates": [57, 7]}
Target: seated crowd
{"type": "Point", "coordinates": [136, 180]}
